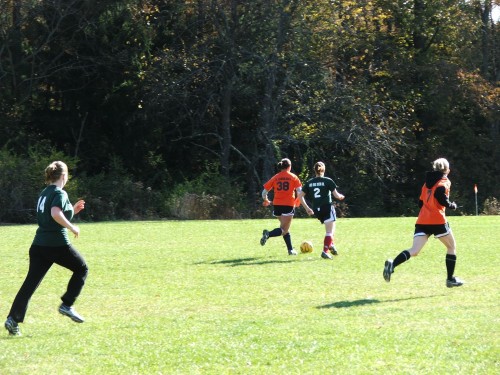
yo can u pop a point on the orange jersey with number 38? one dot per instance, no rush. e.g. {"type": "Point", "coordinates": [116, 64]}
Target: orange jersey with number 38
{"type": "Point", "coordinates": [284, 185]}
{"type": "Point", "coordinates": [432, 212]}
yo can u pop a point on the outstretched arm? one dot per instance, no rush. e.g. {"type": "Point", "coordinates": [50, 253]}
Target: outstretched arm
{"type": "Point", "coordinates": [78, 206]}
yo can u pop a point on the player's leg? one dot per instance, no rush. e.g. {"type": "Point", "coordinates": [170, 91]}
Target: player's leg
{"type": "Point", "coordinates": [276, 232]}
{"type": "Point", "coordinates": [38, 268]}
{"type": "Point", "coordinates": [286, 222]}
{"type": "Point", "coordinates": [328, 240]}
{"type": "Point", "coordinates": [450, 260]}
{"type": "Point", "coordinates": [329, 231]}
{"type": "Point", "coordinates": [68, 257]}
{"type": "Point", "coordinates": [419, 241]}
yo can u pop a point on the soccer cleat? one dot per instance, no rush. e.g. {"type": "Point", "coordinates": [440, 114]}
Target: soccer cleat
{"type": "Point", "coordinates": [455, 281]}
{"type": "Point", "coordinates": [292, 252]}
{"type": "Point", "coordinates": [388, 270]}
{"type": "Point", "coordinates": [71, 313]}
{"type": "Point", "coordinates": [12, 326]}
{"type": "Point", "coordinates": [325, 255]}
{"type": "Point", "coordinates": [265, 236]}
{"type": "Point", "coordinates": [333, 250]}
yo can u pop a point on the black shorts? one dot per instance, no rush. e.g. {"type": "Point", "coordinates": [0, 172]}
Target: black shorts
{"type": "Point", "coordinates": [438, 230]}
{"type": "Point", "coordinates": [283, 211]}
{"type": "Point", "coordinates": [325, 213]}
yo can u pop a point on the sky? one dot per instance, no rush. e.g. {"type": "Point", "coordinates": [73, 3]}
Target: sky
{"type": "Point", "coordinates": [495, 13]}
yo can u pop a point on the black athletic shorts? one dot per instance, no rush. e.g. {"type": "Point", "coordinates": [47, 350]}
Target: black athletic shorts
{"type": "Point", "coordinates": [438, 230]}
{"type": "Point", "coordinates": [325, 213]}
{"type": "Point", "coordinates": [283, 211]}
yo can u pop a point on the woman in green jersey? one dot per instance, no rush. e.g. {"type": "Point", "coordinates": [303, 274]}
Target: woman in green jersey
{"type": "Point", "coordinates": [51, 245]}
{"type": "Point", "coordinates": [320, 190]}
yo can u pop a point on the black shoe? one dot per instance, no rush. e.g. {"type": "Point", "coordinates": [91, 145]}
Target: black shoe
{"type": "Point", "coordinates": [265, 236]}
{"type": "Point", "coordinates": [326, 255]}
{"type": "Point", "coordinates": [71, 312]}
{"type": "Point", "coordinates": [455, 281]}
{"type": "Point", "coordinates": [388, 270]}
{"type": "Point", "coordinates": [333, 250]}
{"type": "Point", "coordinates": [12, 326]}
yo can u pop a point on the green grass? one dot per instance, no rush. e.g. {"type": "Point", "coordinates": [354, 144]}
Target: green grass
{"type": "Point", "coordinates": [203, 297]}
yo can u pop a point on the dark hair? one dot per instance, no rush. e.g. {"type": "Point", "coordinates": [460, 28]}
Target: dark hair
{"type": "Point", "coordinates": [54, 171]}
{"type": "Point", "coordinates": [284, 164]}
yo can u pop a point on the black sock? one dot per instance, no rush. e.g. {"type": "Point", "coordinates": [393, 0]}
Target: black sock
{"type": "Point", "coordinates": [401, 258]}
{"type": "Point", "coordinates": [288, 241]}
{"type": "Point", "coordinates": [275, 232]}
{"type": "Point", "coordinates": [451, 259]}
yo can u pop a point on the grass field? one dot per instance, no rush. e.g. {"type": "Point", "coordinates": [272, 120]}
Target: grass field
{"type": "Point", "coordinates": [203, 297]}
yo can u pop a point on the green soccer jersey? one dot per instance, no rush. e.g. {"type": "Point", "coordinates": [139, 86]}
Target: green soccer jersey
{"type": "Point", "coordinates": [318, 191]}
{"type": "Point", "coordinates": [49, 232]}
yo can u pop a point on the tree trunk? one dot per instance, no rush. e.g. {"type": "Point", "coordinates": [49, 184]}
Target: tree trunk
{"type": "Point", "coordinates": [270, 102]}
{"type": "Point", "coordinates": [419, 27]}
{"type": "Point", "coordinates": [15, 48]}
{"type": "Point", "coordinates": [226, 126]}
{"type": "Point", "coordinates": [485, 37]}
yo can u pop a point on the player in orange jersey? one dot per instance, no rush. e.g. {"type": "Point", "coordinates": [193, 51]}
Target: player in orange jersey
{"type": "Point", "coordinates": [287, 188]}
{"type": "Point", "coordinates": [434, 199]}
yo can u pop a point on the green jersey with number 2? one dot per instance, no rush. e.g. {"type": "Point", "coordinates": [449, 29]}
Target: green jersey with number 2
{"type": "Point", "coordinates": [318, 191]}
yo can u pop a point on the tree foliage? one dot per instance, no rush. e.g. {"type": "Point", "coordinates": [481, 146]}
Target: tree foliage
{"type": "Point", "coordinates": [166, 89]}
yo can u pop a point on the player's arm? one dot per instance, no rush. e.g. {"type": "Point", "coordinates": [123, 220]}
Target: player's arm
{"type": "Point", "coordinates": [338, 195]}
{"type": "Point", "coordinates": [78, 206]}
{"type": "Point", "coordinates": [302, 196]}
{"type": "Point", "coordinates": [443, 199]}
{"type": "Point", "coordinates": [58, 215]}
{"type": "Point", "coordinates": [266, 201]}
{"type": "Point", "coordinates": [267, 187]}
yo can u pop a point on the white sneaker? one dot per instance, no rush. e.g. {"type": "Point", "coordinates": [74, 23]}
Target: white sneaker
{"type": "Point", "coordinates": [71, 312]}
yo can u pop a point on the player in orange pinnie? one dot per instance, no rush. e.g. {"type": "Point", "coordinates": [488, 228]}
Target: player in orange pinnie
{"type": "Point", "coordinates": [287, 188]}
{"type": "Point", "coordinates": [434, 200]}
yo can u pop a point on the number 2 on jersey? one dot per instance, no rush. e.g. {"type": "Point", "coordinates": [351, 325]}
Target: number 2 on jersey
{"type": "Point", "coordinates": [317, 193]}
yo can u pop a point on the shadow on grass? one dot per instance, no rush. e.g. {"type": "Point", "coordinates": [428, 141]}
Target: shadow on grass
{"type": "Point", "coordinates": [343, 304]}
{"type": "Point", "coordinates": [367, 301]}
{"type": "Point", "coordinates": [249, 262]}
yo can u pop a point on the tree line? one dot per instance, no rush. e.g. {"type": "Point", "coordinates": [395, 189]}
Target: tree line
{"type": "Point", "coordinates": [183, 108]}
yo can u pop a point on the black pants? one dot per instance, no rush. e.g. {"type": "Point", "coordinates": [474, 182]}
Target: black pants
{"type": "Point", "coordinates": [41, 259]}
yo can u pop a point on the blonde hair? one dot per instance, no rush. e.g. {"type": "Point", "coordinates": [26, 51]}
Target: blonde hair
{"type": "Point", "coordinates": [441, 165]}
{"type": "Point", "coordinates": [54, 171]}
{"type": "Point", "coordinates": [319, 168]}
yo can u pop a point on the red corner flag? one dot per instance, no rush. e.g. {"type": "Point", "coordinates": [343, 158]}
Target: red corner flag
{"type": "Point", "coordinates": [475, 188]}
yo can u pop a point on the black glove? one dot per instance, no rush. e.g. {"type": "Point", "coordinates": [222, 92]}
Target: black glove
{"type": "Point", "coordinates": [453, 206]}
